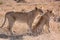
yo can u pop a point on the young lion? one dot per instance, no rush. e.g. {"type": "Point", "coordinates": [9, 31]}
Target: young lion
{"type": "Point", "coordinates": [27, 17]}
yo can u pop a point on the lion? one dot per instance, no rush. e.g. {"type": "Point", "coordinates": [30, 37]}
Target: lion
{"type": "Point", "coordinates": [27, 17]}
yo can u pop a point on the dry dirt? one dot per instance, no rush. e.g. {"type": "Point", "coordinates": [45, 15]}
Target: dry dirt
{"type": "Point", "coordinates": [21, 28]}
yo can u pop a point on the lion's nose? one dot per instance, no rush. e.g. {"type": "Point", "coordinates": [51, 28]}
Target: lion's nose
{"type": "Point", "coordinates": [57, 19]}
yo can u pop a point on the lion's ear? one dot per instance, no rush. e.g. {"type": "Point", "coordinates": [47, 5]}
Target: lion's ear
{"type": "Point", "coordinates": [36, 8]}
{"type": "Point", "coordinates": [50, 11]}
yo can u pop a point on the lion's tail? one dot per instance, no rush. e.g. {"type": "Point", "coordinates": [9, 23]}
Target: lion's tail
{"type": "Point", "coordinates": [3, 22]}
